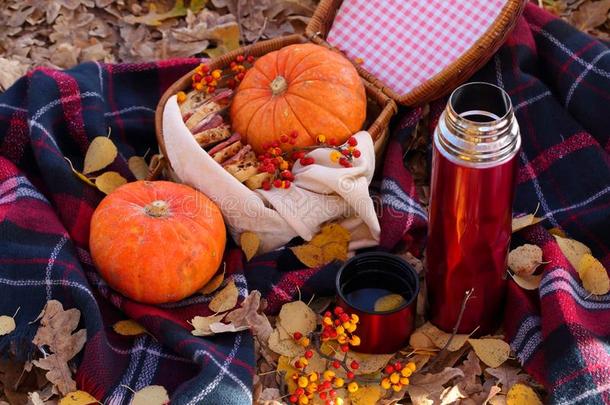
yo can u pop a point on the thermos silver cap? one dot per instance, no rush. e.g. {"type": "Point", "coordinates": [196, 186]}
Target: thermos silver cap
{"type": "Point", "coordinates": [478, 128]}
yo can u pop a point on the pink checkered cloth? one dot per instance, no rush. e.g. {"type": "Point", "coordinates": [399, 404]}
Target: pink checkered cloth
{"type": "Point", "coordinates": [405, 43]}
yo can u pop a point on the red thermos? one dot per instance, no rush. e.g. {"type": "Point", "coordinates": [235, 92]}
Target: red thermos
{"type": "Point", "coordinates": [472, 188]}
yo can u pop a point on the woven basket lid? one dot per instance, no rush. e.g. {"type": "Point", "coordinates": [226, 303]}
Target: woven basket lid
{"type": "Point", "coordinates": [415, 50]}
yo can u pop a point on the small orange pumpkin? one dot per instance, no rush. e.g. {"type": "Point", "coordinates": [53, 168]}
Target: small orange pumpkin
{"type": "Point", "coordinates": [157, 242]}
{"type": "Point", "coordinates": [304, 88]}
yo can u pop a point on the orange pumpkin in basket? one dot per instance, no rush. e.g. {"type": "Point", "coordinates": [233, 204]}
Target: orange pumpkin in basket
{"type": "Point", "coordinates": [305, 90]}
{"type": "Point", "coordinates": [157, 242]}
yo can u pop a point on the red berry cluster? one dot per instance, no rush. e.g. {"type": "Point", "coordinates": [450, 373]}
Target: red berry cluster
{"type": "Point", "coordinates": [207, 80]}
{"type": "Point", "coordinates": [322, 384]}
{"type": "Point", "coordinates": [340, 326]}
{"type": "Point", "coordinates": [279, 163]}
{"type": "Point", "coordinates": [344, 154]}
{"type": "Point", "coordinates": [397, 375]}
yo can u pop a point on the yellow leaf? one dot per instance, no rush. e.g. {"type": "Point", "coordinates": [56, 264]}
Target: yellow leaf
{"type": "Point", "coordinates": [109, 181]}
{"type": "Point", "coordinates": [213, 284]}
{"type": "Point", "coordinates": [492, 352]}
{"type": "Point", "coordinates": [328, 245]}
{"type": "Point", "coordinates": [420, 340]}
{"type": "Point", "coordinates": [283, 365]}
{"type": "Point", "coordinates": [297, 317]}
{"type": "Point", "coordinates": [527, 281]}
{"type": "Point", "coordinates": [521, 394]}
{"type": "Point", "coordinates": [201, 324]}
{"type": "Point", "coordinates": [572, 249]}
{"type": "Point", "coordinates": [525, 259]}
{"type": "Point", "coordinates": [524, 221]}
{"type": "Point", "coordinates": [154, 18]}
{"type": "Point", "coordinates": [593, 275]}
{"type": "Point", "coordinates": [389, 302]}
{"type": "Point", "coordinates": [79, 174]}
{"type": "Point", "coordinates": [100, 154]}
{"type": "Point", "coordinates": [249, 242]}
{"type": "Point", "coordinates": [286, 347]}
{"type": "Point", "coordinates": [138, 167]}
{"type": "Point", "coordinates": [128, 327]}
{"type": "Point", "coordinates": [365, 395]}
{"type": "Point", "coordinates": [151, 395]}
{"type": "Point", "coordinates": [441, 338]}
{"type": "Point", "coordinates": [311, 256]}
{"type": "Point", "coordinates": [7, 325]}
{"type": "Point", "coordinates": [226, 37]}
{"type": "Point", "coordinates": [369, 363]}
{"type": "Point", "coordinates": [225, 299]}
{"type": "Point", "coordinates": [78, 398]}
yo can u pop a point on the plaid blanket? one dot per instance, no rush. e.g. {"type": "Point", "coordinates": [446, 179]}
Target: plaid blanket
{"type": "Point", "coordinates": [559, 81]}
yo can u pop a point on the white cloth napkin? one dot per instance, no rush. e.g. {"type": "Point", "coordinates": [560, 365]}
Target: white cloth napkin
{"type": "Point", "coordinates": [321, 192]}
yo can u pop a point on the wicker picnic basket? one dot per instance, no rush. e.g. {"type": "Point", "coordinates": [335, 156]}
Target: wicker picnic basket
{"type": "Point", "coordinates": [382, 100]}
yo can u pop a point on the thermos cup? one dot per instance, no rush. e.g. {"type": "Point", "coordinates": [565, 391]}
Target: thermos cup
{"type": "Point", "coordinates": [474, 168]}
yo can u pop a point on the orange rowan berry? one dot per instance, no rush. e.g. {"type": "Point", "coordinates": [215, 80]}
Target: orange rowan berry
{"type": "Point", "coordinates": [216, 74]}
{"type": "Point", "coordinates": [352, 387]}
{"type": "Point", "coordinates": [328, 375]}
{"type": "Point", "coordinates": [321, 138]}
{"type": "Point", "coordinates": [406, 372]}
{"type": "Point", "coordinates": [385, 383]}
{"type": "Point", "coordinates": [181, 96]}
{"type": "Point", "coordinates": [338, 382]}
{"type": "Point", "coordinates": [396, 387]}
{"type": "Point", "coordinates": [303, 382]}
{"type": "Point", "coordinates": [395, 378]}
{"type": "Point", "coordinates": [404, 381]}
{"type": "Point", "coordinates": [411, 365]}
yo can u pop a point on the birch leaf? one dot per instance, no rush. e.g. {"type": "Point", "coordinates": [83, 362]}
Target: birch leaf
{"type": "Point", "coordinates": [100, 154]}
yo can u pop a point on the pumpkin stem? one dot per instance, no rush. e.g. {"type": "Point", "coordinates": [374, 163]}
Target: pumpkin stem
{"type": "Point", "coordinates": [278, 85]}
{"type": "Point", "coordinates": [157, 209]}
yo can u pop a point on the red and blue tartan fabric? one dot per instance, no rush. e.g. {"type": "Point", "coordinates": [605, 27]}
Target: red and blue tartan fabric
{"type": "Point", "coordinates": [559, 81]}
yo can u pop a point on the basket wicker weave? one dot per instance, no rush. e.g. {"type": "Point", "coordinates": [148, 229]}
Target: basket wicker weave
{"type": "Point", "coordinates": [444, 82]}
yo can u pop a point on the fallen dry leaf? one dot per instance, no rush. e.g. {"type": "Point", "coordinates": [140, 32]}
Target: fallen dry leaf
{"type": "Point", "coordinates": [250, 243]}
{"type": "Point", "coordinates": [507, 376]}
{"type": "Point", "coordinates": [426, 389]}
{"type": "Point", "coordinates": [590, 14]}
{"type": "Point", "coordinates": [78, 398]}
{"type": "Point", "coordinates": [297, 317]}
{"type": "Point", "coordinates": [593, 275]}
{"type": "Point", "coordinates": [226, 37]}
{"type": "Point", "coordinates": [451, 395]}
{"type": "Point", "coordinates": [369, 363]}
{"type": "Point", "coordinates": [286, 347]}
{"type": "Point", "coordinates": [250, 314]}
{"type": "Point", "coordinates": [7, 325]}
{"type": "Point", "coordinates": [109, 181]}
{"type": "Point", "coordinates": [284, 366]}
{"type": "Point", "coordinates": [201, 324]}
{"type": "Point", "coordinates": [492, 352]}
{"type": "Point", "coordinates": [128, 327]}
{"type": "Point", "coordinates": [219, 327]}
{"type": "Point", "coordinates": [213, 284]}
{"type": "Point", "coordinates": [55, 331]}
{"type": "Point", "coordinates": [100, 154]}
{"type": "Point", "coordinates": [155, 18]}
{"type": "Point", "coordinates": [524, 221]}
{"type": "Point", "coordinates": [572, 249]}
{"type": "Point", "coordinates": [528, 282]}
{"type": "Point", "coordinates": [440, 338]}
{"type": "Point", "coordinates": [138, 167]}
{"type": "Point", "coordinates": [471, 368]}
{"type": "Point", "coordinates": [389, 302]}
{"type": "Point", "coordinates": [420, 341]}
{"type": "Point", "coordinates": [328, 245]}
{"type": "Point", "coordinates": [521, 394]}
{"type": "Point", "coordinates": [365, 395]}
{"type": "Point", "coordinates": [525, 259]}
{"type": "Point", "coordinates": [151, 395]}
{"type": "Point", "coordinates": [225, 299]}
